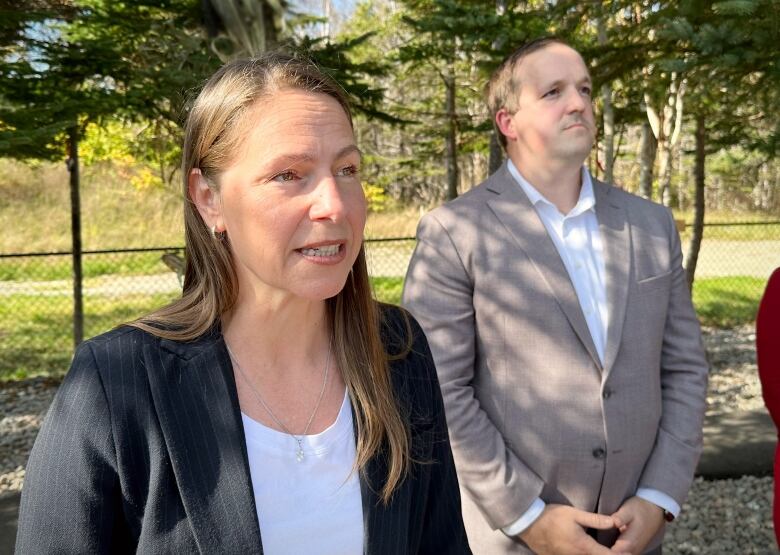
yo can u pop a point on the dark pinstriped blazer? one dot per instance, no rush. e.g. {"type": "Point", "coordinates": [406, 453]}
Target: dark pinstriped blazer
{"type": "Point", "coordinates": [143, 450]}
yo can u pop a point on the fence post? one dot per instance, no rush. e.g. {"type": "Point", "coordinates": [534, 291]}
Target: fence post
{"type": "Point", "coordinates": [75, 231]}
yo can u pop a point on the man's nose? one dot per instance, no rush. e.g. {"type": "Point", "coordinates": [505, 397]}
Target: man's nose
{"type": "Point", "coordinates": [576, 101]}
{"type": "Point", "coordinates": [327, 200]}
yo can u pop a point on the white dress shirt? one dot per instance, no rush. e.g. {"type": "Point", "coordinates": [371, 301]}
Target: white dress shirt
{"type": "Point", "coordinates": [578, 241]}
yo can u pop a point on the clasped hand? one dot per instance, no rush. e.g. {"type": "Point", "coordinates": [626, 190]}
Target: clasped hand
{"type": "Point", "coordinates": [560, 529]}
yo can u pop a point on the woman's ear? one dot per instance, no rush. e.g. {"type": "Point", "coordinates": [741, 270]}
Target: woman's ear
{"type": "Point", "coordinates": [207, 201]}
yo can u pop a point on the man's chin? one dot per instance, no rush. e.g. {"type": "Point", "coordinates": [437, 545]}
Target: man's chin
{"type": "Point", "coordinates": [575, 152]}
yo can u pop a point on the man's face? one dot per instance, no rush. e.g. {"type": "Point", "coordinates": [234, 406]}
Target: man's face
{"type": "Point", "coordinates": [554, 118]}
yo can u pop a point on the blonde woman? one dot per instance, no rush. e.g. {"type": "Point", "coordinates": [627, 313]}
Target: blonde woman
{"type": "Point", "coordinates": [275, 407]}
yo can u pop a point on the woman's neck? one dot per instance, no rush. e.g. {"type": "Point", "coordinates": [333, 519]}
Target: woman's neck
{"type": "Point", "coordinates": [293, 334]}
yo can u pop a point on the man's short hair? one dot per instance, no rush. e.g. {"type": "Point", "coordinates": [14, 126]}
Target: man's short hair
{"type": "Point", "coordinates": [503, 86]}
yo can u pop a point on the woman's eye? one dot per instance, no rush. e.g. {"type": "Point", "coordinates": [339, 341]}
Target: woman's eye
{"type": "Point", "coordinates": [551, 92]}
{"type": "Point", "coordinates": [347, 171]}
{"type": "Point", "coordinates": [288, 175]}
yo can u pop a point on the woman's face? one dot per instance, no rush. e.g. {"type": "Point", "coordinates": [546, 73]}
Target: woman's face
{"type": "Point", "coordinates": [291, 202]}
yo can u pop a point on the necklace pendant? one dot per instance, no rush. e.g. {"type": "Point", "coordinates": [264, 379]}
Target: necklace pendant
{"type": "Point", "coordinates": [299, 455]}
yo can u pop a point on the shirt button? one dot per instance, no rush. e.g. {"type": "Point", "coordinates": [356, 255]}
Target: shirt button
{"type": "Point", "coordinates": [598, 453]}
{"type": "Point", "coordinates": [607, 393]}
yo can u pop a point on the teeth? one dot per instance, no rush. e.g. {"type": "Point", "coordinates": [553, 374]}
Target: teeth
{"type": "Point", "coordinates": [329, 250]}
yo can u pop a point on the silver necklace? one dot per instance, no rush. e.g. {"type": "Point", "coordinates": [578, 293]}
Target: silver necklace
{"type": "Point", "coordinates": [298, 439]}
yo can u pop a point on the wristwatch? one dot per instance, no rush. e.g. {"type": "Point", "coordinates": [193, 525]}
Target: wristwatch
{"type": "Point", "coordinates": [668, 517]}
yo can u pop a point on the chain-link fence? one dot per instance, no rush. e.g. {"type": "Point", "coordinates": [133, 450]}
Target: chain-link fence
{"type": "Point", "coordinates": [36, 290]}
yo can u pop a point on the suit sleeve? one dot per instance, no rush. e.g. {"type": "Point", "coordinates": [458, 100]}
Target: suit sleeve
{"type": "Point", "coordinates": [438, 291]}
{"type": "Point", "coordinates": [71, 494]}
{"type": "Point", "coordinates": [684, 373]}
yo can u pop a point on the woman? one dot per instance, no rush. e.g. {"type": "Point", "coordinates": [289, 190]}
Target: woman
{"type": "Point", "coordinates": [768, 355]}
{"type": "Point", "coordinates": [275, 403]}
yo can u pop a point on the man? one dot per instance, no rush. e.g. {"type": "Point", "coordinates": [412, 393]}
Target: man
{"type": "Point", "coordinates": [568, 351]}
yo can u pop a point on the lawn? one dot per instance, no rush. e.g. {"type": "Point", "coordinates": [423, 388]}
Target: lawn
{"type": "Point", "coordinates": [727, 302]}
{"type": "Point", "coordinates": [36, 330]}
{"type": "Point", "coordinates": [36, 333]}
{"type": "Point", "coordinates": [60, 267]}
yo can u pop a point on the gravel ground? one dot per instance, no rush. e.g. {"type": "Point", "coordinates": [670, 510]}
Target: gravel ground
{"type": "Point", "coordinates": [720, 517]}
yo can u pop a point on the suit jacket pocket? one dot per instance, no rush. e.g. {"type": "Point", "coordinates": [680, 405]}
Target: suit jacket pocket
{"type": "Point", "coordinates": [653, 283]}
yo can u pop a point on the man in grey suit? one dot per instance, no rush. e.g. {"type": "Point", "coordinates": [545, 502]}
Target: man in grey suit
{"type": "Point", "coordinates": [568, 351]}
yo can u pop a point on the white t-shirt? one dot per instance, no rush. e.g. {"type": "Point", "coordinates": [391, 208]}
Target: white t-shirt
{"type": "Point", "coordinates": [312, 506]}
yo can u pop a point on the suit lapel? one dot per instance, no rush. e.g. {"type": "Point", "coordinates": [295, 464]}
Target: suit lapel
{"type": "Point", "coordinates": [196, 400]}
{"type": "Point", "coordinates": [512, 207]}
{"type": "Point", "coordinates": [616, 236]}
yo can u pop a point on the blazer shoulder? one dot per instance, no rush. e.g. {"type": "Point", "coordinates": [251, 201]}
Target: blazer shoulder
{"type": "Point", "coordinates": [119, 340]}
{"type": "Point", "coordinates": [400, 330]}
{"type": "Point", "coordinates": [127, 337]}
{"type": "Point", "coordinates": [643, 213]}
{"type": "Point", "coordinates": [470, 205]}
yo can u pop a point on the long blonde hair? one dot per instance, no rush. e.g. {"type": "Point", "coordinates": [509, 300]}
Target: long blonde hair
{"type": "Point", "coordinates": [214, 129]}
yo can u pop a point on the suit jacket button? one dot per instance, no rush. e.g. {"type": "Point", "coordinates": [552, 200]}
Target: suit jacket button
{"type": "Point", "coordinates": [607, 393]}
{"type": "Point", "coordinates": [599, 453]}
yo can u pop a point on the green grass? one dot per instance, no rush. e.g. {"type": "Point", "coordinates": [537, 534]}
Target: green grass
{"type": "Point", "coordinates": [727, 302]}
{"type": "Point", "coordinates": [388, 289]}
{"type": "Point", "coordinates": [36, 331]}
{"type": "Point", "coordinates": [50, 268]}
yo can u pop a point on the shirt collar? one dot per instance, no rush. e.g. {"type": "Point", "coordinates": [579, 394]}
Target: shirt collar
{"type": "Point", "coordinates": [586, 201]}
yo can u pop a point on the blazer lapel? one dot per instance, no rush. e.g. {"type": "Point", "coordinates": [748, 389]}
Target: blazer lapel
{"type": "Point", "coordinates": [195, 396]}
{"type": "Point", "coordinates": [385, 527]}
{"type": "Point", "coordinates": [616, 236]}
{"type": "Point", "coordinates": [519, 217]}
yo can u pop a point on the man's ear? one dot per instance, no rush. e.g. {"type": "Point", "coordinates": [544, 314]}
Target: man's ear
{"type": "Point", "coordinates": [206, 199]}
{"type": "Point", "coordinates": [504, 124]}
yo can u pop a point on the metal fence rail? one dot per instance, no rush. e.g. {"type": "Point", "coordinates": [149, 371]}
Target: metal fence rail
{"type": "Point", "coordinates": [36, 289]}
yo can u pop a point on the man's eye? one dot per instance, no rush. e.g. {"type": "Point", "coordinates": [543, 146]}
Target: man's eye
{"type": "Point", "coordinates": [288, 175]}
{"type": "Point", "coordinates": [348, 170]}
{"type": "Point", "coordinates": [586, 90]}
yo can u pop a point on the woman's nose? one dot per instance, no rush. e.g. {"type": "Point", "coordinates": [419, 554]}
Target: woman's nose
{"type": "Point", "coordinates": [327, 202]}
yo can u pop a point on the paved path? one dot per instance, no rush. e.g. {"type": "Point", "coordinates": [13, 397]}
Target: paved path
{"type": "Point", "coordinates": [738, 443]}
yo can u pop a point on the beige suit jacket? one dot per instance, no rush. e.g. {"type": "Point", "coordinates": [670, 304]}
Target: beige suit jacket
{"type": "Point", "coordinates": [531, 410]}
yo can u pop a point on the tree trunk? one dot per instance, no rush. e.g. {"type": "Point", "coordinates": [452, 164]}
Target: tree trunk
{"type": "Point", "coordinates": [669, 134]}
{"type": "Point", "coordinates": [608, 139]}
{"type": "Point", "coordinates": [698, 206]}
{"type": "Point", "coordinates": [452, 137]}
{"type": "Point", "coordinates": [609, 134]}
{"type": "Point", "coordinates": [647, 161]}
{"type": "Point", "coordinates": [251, 26]}
{"type": "Point", "coordinates": [496, 154]}
{"type": "Point", "coordinates": [326, 9]}
{"type": "Point", "coordinates": [75, 231]}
